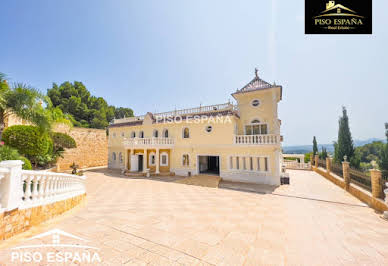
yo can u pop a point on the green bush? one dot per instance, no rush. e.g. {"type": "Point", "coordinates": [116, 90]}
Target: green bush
{"type": "Point", "coordinates": [8, 153]}
{"type": "Point", "coordinates": [62, 140]}
{"type": "Point", "coordinates": [28, 140]}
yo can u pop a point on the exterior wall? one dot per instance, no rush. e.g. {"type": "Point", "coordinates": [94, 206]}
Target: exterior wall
{"type": "Point", "coordinates": [20, 220]}
{"type": "Point", "coordinates": [218, 142]}
{"type": "Point", "coordinates": [92, 147]}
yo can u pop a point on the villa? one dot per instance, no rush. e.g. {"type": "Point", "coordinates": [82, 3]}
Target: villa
{"type": "Point", "coordinates": [239, 142]}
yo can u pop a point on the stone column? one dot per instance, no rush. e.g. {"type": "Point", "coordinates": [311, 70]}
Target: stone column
{"type": "Point", "coordinates": [328, 165]}
{"type": "Point", "coordinates": [316, 158]}
{"type": "Point", "coordinates": [345, 174]}
{"type": "Point", "coordinates": [375, 177]}
{"type": "Point", "coordinates": [11, 189]}
{"type": "Point", "coordinates": [145, 160]}
{"type": "Point", "coordinates": [157, 162]}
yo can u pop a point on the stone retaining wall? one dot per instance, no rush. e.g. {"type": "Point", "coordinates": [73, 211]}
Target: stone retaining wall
{"type": "Point", "coordinates": [20, 220]}
{"type": "Point", "coordinates": [91, 151]}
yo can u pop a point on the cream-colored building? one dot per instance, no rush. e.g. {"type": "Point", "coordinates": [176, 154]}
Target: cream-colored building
{"type": "Point", "coordinates": [239, 142]}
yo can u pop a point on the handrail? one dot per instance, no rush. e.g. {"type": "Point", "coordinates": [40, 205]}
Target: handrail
{"type": "Point", "coordinates": [266, 139]}
{"type": "Point", "coordinates": [195, 110]}
{"type": "Point", "coordinates": [148, 141]}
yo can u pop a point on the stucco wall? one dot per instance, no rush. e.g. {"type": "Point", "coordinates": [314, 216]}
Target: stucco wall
{"type": "Point", "coordinates": [92, 147]}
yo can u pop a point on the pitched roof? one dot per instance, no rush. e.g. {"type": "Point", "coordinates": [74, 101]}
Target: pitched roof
{"type": "Point", "coordinates": [257, 84]}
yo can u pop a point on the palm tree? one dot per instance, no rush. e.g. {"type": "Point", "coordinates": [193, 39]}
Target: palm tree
{"type": "Point", "coordinates": [28, 103]}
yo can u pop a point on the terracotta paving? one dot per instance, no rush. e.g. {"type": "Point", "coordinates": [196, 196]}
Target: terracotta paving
{"type": "Point", "coordinates": [159, 222]}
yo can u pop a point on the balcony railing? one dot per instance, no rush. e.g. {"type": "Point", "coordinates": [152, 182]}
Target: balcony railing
{"type": "Point", "coordinates": [149, 142]}
{"type": "Point", "coordinates": [196, 110]}
{"type": "Point", "coordinates": [268, 139]}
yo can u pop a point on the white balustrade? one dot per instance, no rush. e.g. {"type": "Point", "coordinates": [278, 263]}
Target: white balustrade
{"type": "Point", "coordinates": [196, 110]}
{"type": "Point", "coordinates": [256, 139]}
{"type": "Point", "coordinates": [296, 165]}
{"type": "Point", "coordinates": [149, 142]}
{"type": "Point", "coordinates": [25, 188]}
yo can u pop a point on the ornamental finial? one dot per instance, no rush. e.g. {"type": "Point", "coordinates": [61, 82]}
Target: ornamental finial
{"type": "Point", "coordinates": [256, 72]}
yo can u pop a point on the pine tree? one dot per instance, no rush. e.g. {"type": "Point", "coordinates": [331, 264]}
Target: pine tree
{"type": "Point", "coordinates": [384, 155]}
{"type": "Point", "coordinates": [315, 146]}
{"type": "Point", "coordinates": [344, 145]}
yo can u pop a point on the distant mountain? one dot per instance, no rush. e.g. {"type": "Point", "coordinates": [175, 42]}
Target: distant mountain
{"type": "Point", "coordinates": [329, 147]}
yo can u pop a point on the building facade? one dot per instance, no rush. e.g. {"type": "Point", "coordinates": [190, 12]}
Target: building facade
{"type": "Point", "coordinates": [238, 142]}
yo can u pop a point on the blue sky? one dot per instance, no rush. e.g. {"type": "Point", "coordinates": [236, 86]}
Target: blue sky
{"type": "Point", "coordinates": [161, 55]}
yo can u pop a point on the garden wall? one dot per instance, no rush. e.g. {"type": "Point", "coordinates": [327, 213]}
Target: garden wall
{"type": "Point", "coordinates": [91, 151]}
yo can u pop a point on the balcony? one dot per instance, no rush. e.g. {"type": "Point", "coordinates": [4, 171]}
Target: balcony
{"type": "Point", "coordinates": [149, 142]}
{"type": "Point", "coordinates": [269, 139]}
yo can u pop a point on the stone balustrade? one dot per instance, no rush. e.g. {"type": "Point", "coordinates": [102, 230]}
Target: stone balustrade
{"type": "Point", "coordinates": [20, 189]}
{"type": "Point", "coordinates": [142, 142]}
{"type": "Point", "coordinates": [296, 165]}
{"type": "Point", "coordinates": [195, 110]}
{"type": "Point", "coordinates": [268, 139]}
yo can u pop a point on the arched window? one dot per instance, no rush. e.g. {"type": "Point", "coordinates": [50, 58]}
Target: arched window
{"type": "Point", "coordinates": [156, 133]}
{"type": "Point", "coordinates": [121, 157]}
{"type": "Point", "coordinates": [152, 159]}
{"type": "Point", "coordinates": [186, 133]}
{"type": "Point", "coordinates": [185, 160]}
{"type": "Point", "coordinates": [141, 134]}
{"type": "Point", "coordinates": [165, 133]}
{"type": "Point", "coordinates": [133, 134]}
{"type": "Point", "coordinates": [256, 128]}
{"type": "Point", "coordinates": [164, 159]}
{"type": "Point", "coordinates": [114, 156]}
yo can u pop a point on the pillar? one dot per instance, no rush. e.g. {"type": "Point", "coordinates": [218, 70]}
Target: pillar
{"type": "Point", "coordinates": [345, 174]}
{"type": "Point", "coordinates": [157, 161]}
{"type": "Point", "coordinates": [375, 177]}
{"type": "Point", "coordinates": [328, 165]}
{"type": "Point", "coordinates": [11, 190]}
{"type": "Point", "coordinates": [145, 161]}
{"type": "Point", "coordinates": [316, 158]}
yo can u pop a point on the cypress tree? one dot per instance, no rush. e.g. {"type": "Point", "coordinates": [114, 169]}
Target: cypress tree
{"type": "Point", "coordinates": [315, 146]}
{"type": "Point", "coordinates": [384, 155]}
{"type": "Point", "coordinates": [344, 145]}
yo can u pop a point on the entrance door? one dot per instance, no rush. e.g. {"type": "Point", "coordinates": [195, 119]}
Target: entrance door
{"type": "Point", "coordinates": [134, 163]}
{"type": "Point", "coordinates": [209, 165]}
{"type": "Point", "coordinates": [140, 168]}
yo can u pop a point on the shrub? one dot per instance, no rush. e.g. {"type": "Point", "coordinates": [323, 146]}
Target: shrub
{"type": "Point", "coordinates": [28, 140]}
{"type": "Point", "coordinates": [62, 140]}
{"type": "Point", "coordinates": [8, 153]}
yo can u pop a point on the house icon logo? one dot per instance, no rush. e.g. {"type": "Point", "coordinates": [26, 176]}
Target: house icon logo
{"type": "Point", "coordinates": [333, 9]}
{"type": "Point", "coordinates": [338, 17]}
{"type": "Point", "coordinates": [68, 248]}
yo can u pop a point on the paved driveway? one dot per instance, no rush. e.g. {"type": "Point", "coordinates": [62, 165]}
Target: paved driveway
{"type": "Point", "coordinates": [144, 221]}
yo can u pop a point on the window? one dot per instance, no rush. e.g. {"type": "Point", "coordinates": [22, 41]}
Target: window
{"type": "Point", "coordinates": [186, 133]}
{"type": "Point", "coordinates": [114, 134]}
{"type": "Point", "coordinates": [121, 157]}
{"type": "Point", "coordinates": [266, 164]}
{"type": "Point", "coordinates": [231, 162]}
{"type": "Point", "coordinates": [251, 163]}
{"type": "Point", "coordinates": [133, 134]}
{"type": "Point", "coordinates": [209, 129]}
{"type": "Point", "coordinates": [156, 133]}
{"type": "Point", "coordinates": [255, 103]}
{"type": "Point", "coordinates": [244, 163]}
{"type": "Point", "coordinates": [141, 134]}
{"type": "Point", "coordinates": [165, 133]}
{"type": "Point", "coordinates": [152, 158]}
{"type": "Point", "coordinates": [114, 156]}
{"type": "Point", "coordinates": [256, 128]}
{"type": "Point", "coordinates": [237, 163]}
{"type": "Point", "coordinates": [185, 160]}
{"type": "Point", "coordinates": [122, 134]}
{"type": "Point", "coordinates": [164, 159]}
{"type": "Point", "coordinates": [258, 163]}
